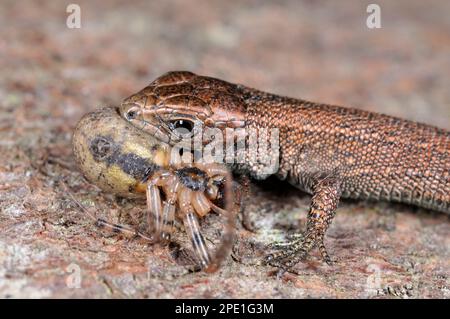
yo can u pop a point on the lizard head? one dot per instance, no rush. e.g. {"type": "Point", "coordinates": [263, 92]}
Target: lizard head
{"type": "Point", "coordinates": [181, 106]}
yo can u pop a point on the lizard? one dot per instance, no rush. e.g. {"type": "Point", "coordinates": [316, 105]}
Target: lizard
{"type": "Point", "coordinates": [328, 151]}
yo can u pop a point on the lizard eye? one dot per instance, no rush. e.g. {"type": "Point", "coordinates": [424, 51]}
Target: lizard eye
{"type": "Point", "coordinates": [131, 115]}
{"type": "Point", "coordinates": [182, 127]}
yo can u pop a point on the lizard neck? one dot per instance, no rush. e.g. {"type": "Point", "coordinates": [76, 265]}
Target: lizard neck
{"type": "Point", "coordinates": [270, 121]}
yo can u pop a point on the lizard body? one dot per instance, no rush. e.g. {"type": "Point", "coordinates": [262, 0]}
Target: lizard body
{"type": "Point", "coordinates": [329, 151]}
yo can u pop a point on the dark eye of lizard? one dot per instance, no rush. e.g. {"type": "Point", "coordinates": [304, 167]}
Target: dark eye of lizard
{"type": "Point", "coordinates": [131, 115]}
{"type": "Point", "coordinates": [182, 127]}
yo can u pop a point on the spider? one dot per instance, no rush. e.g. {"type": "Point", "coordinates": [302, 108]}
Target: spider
{"type": "Point", "coordinates": [121, 159]}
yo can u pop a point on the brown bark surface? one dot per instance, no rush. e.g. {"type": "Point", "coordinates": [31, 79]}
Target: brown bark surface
{"type": "Point", "coordinates": [51, 75]}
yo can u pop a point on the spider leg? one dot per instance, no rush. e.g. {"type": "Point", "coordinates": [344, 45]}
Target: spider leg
{"type": "Point", "coordinates": [168, 214]}
{"type": "Point", "coordinates": [214, 169]}
{"type": "Point", "coordinates": [243, 190]}
{"type": "Point", "coordinates": [192, 226]}
{"type": "Point", "coordinates": [212, 191]}
{"type": "Point", "coordinates": [154, 209]}
{"type": "Point", "coordinates": [202, 205]}
{"type": "Point", "coordinates": [168, 220]}
{"type": "Point", "coordinates": [161, 215]}
{"type": "Point", "coordinates": [116, 228]}
{"type": "Point", "coordinates": [230, 212]}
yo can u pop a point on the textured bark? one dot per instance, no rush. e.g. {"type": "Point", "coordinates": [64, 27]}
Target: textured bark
{"type": "Point", "coordinates": [51, 75]}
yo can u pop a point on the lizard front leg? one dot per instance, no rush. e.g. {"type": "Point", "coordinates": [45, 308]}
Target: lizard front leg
{"type": "Point", "coordinates": [326, 194]}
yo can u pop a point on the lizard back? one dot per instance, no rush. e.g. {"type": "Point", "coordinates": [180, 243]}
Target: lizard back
{"type": "Point", "coordinates": [375, 156]}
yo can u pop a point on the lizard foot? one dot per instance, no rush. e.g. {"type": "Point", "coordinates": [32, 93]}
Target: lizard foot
{"type": "Point", "coordinates": [290, 240]}
{"type": "Point", "coordinates": [288, 254]}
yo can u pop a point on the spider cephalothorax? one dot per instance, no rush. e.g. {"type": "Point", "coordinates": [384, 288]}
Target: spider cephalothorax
{"type": "Point", "coordinates": [193, 178]}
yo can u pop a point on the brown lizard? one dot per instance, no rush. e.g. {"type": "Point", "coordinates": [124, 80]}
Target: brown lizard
{"type": "Point", "coordinates": [329, 151]}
